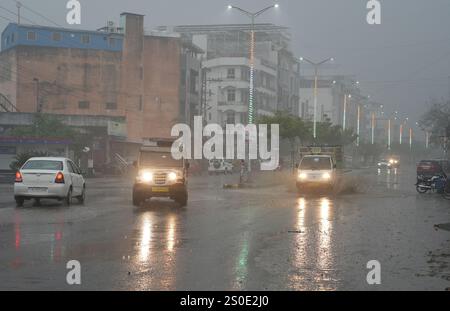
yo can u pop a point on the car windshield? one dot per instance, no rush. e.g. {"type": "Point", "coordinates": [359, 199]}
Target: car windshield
{"type": "Point", "coordinates": [43, 165]}
{"type": "Point", "coordinates": [315, 163]}
{"type": "Point", "coordinates": [159, 159]}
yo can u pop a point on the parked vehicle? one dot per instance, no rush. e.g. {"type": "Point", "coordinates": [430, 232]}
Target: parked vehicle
{"type": "Point", "coordinates": [436, 183]}
{"type": "Point", "coordinates": [429, 168]}
{"type": "Point", "coordinates": [220, 166]}
{"type": "Point", "coordinates": [49, 178]}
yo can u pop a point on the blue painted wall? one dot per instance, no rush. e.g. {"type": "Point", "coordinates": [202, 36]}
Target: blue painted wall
{"type": "Point", "coordinates": [15, 35]}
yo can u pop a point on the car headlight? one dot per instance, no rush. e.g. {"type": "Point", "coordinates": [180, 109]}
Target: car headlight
{"type": "Point", "coordinates": [395, 161]}
{"type": "Point", "coordinates": [146, 176]}
{"type": "Point", "coordinates": [302, 175]}
{"type": "Point", "coordinates": [326, 176]}
{"type": "Point", "coordinates": [172, 176]}
{"type": "Point", "coordinates": [391, 161]}
{"type": "Point", "coordinates": [379, 164]}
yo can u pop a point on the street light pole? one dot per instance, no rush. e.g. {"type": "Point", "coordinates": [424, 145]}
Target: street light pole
{"type": "Point", "coordinates": [316, 71]}
{"type": "Point", "coordinates": [252, 16]}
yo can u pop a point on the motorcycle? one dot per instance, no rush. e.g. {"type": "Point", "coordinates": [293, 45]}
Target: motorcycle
{"type": "Point", "coordinates": [436, 183]}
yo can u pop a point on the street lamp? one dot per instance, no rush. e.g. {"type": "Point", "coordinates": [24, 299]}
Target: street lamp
{"type": "Point", "coordinates": [316, 70]}
{"type": "Point", "coordinates": [252, 16]}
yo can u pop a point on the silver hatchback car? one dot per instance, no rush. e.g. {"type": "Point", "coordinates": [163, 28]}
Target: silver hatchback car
{"type": "Point", "coordinates": [49, 178]}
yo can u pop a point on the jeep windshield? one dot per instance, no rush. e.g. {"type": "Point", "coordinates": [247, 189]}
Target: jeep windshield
{"type": "Point", "coordinates": [159, 159]}
{"type": "Point", "coordinates": [315, 163]}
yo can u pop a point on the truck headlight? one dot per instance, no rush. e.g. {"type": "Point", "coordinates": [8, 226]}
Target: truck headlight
{"type": "Point", "coordinates": [172, 176]}
{"type": "Point", "coordinates": [326, 176]}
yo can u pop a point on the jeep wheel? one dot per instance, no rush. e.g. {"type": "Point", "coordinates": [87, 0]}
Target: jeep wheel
{"type": "Point", "coordinates": [182, 199]}
{"type": "Point", "coordinates": [137, 199]}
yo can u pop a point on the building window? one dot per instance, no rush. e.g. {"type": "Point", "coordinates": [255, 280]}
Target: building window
{"type": "Point", "coordinates": [231, 95]}
{"type": "Point", "coordinates": [111, 106]}
{"type": "Point", "coordinates": [56, 36]}
{"type": "Point", "coordinates": [230, 117]}
{"type": "Point", "coordinates": [13, 37]}
{"type": "Point", "coordinates": [112, 42]}
{"type": "Point", "coordinates": [31, 35]}
{"type": "Point", "coordinates": [83, 105]}
{"type": "Point", "coordinates": [85, 39]}
{"type": "Point", "coordinates": [231, 73]}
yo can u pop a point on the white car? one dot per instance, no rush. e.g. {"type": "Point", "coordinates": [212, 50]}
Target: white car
{"type": "Point", "coordinates": [49, 178]}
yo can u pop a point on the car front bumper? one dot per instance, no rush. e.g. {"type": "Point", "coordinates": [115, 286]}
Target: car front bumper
{"type": "Point", "coordinates": [151, 190]}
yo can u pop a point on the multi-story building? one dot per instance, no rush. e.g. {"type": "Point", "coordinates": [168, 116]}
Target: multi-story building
{"type": "Point", "coordinates": [226, 70]}
{"type": "Point", "coordinates": [114, 71]}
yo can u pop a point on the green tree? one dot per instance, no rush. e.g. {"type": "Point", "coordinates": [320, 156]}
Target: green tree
{"type": "Point", "coordinates": [45, 126]}
{"type": "Point", "coordinates": [436, 120]}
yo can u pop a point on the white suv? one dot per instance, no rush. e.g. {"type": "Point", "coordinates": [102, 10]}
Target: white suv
{"type": "Point", "coordinates": [49, 178]}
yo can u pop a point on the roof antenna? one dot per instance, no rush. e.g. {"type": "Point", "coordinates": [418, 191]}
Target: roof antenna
{"type": "Point", "coordinates": [19, 5]}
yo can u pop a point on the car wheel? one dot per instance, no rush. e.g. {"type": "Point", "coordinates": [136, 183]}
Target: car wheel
{"type": "Point", "coordinates": [82, 198]}
{"type": "Point", "coordinates": [68, 198]}
{"type": "Point", "coordinates": [19, 201]}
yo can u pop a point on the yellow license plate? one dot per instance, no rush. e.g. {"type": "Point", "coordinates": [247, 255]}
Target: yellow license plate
{"type": "Point", "coordinates": [160, 189]}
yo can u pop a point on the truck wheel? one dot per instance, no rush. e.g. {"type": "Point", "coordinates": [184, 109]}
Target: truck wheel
{"type": "Point", "coordinates": [182, 199]}
{"type": "Point", "coordinates": [19, 201]}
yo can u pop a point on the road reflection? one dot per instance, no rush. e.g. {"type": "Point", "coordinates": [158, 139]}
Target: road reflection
{"type": "Point", "coordinates": [313, 245]}
{"type": "Point", "coordinates": [389, 177]}
{"type": "Point", "coordinates": [158, 238]}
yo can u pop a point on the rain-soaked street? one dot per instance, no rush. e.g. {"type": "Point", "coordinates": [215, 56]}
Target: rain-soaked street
{"type": "Point", "coordinates": [231, 239]}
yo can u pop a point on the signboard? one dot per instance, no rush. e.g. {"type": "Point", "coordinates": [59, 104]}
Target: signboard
{"type": "Point", "coordinates": [117, 129]}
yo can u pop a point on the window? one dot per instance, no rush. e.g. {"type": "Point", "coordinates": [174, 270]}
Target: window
{"type": "Point", "coordinates": [7, 40]}
{"type": "Point", "coordinates": [230, 117]}
{"type": "Point", "coordinates": [56, 36]}
{"type": "Point", "coordinates": [13, 37]}
{"type": "Point", "coordinates": [70, 167]}
{"type": "Point", "coordinates": [85, 39]}
{"type": "Point", "coordinates": [231, 74]}
{"type": "Point", "coordinates": [112, 42]}
{"type": "Point", "coordinates": [43, 165]}
{"type": "Point", "coordinates": [231, 95]}
{"type": "Point", "coordinates": [31, 35]}
{"type": "Point", "coordinates": [83, 105]}
{"type": "Point", "coordinates": [141, 104]}
{"type": "Point", "coordinates": [111, 106]}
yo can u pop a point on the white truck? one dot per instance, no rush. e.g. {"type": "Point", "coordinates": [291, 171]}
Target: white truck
{"type": "Point", "coordinates": [317, 167]}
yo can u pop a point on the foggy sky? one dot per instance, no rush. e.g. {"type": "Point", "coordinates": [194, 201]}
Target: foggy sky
{"type": "Point", "coordinates": [401, 63]}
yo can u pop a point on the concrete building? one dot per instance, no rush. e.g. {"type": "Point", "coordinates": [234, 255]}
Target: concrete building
{"type": "Point", "coordinates": [226, 70]}
{"type": "Point", "coordinates": [112, 72]}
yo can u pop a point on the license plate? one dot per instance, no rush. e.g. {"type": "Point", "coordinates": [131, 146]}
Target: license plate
{"type": "Point", "coordinates": [38, 189]}
{"type": "Point", "coordinates": [160, 189]}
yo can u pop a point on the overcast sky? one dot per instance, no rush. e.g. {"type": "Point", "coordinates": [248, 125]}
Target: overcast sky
{"type": "Point", "coordinates": [401, 63]}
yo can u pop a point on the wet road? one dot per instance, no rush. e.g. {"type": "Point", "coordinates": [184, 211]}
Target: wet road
{"type": "Point", "coordinates": [264, 238]}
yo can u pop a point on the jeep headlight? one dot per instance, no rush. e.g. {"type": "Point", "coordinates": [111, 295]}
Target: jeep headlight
{"type": "Point", "coordinates": [145, 176]}
{"type": "Point", "coordinates": [302, 175]}
{"type": "Point", "coordinates": [172, 176]}
{"type": "Point", "coordinates": [326, 176]}
{"type": "Point", "coordinates": [391, 161]}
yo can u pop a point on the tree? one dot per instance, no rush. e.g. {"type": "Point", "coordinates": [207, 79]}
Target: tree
{"type": "Point", "coordinates": [23, 157]}
{"type": "Point", "coordinates": [45, 126]}
{"type": "Point", "coordinates": [436, 121]}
